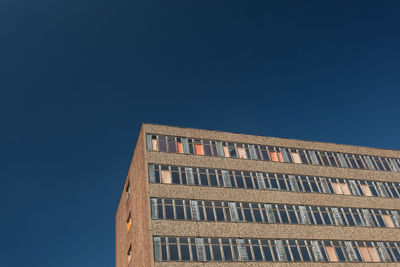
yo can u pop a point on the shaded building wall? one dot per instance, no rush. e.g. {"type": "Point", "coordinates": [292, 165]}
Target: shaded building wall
{"type": "Point", "coordinates": [139, 207]}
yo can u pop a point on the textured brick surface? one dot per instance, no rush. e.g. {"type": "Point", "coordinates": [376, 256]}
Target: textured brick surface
{"type": "Point", "coordinates": [260, 230]}
{"type": "Point", "coordinates": [271, 197]}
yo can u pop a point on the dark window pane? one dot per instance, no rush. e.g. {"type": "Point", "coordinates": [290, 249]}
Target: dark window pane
{"type": "Point", "coordinates": [203, 179]}
{"type": "Point", "coordinates": [257, 215]}
{"type": "Point", "coordinates": [188, 213]}
{"type": "Point", "coordinates": [227, 253]}
{"type": "Point", "coordinates": [185, 255]}
{"type": "Point", "coordinates": [380, 220]}
{"type": "Point", "coordinates": [305, 184]}
{"type": "Point", "coordinates": [284, 217]}
{"type": "Point", "coordinates": [173, 252]}
{"type": "Point", "coordinates": [249, 255]}
{"type": "Point", "coordinates": [160, 211]}
{"type": "Point", "coordinates": [179, 213]}
{"type": "Point", "coordinates": [220, 214]}
{"type": "Point", "coordinates": [293, 217]}
{"type": "Point", "coordinates": [164, 252]}
{"type": "Point", "coordinates": [296, 255]}
{"type": "Point", "coordinates": [249, 183]}
{"type": "Point", "coordinates": [194, 251]}
{"type": "Point", "coordinates": [213, 180]}
{"type": "Point", "coordinates": [175, 178]}
{"type": "Point", "coordinates": [326, 219]}
{"type": "Point", "coordinates": [171, 145]}
{"type": "Point", "coordinates": [208, 252]}
{"type": "Point", "coordinates": [210, 214]}
{"type": "Point", "coordinates": [314, 185]}
{"type": "Point", "coordinates": [317, 218]}
{"type": "Point", "coordinates": [282, 184]}
{"type": "Point", "coordinates": [267, 253]}
{"type": "Point", "coordinates": [350, 219]}
{"type": "Point", "coordinates": [162, 144]}
{"type": "Point", "coordinates": [340, 254]}
{"type": "Point", "coordinates": [396, 254]}
{"type": "Point", "coordinates": [239, 181]}
{"type": "Point", "coordinates": [169, 213]}
{"type": "Point", "coordinates": [247, 215]}
{"type": "Point", "coordinates": [274, 184]}
{"type": "Point", "coordinates": [304, 253]}
{"type": "Point", "coordinates": [257, 253]}
{"type": "Point", "coordinates": [217, 253]}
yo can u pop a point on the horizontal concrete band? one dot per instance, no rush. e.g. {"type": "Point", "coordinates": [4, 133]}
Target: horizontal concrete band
{"type": "Point", "coordinates": [272, 264]}
{"type": "Point", "coordinates": [267, 166]}
{"type": "Point", "coordinates": [278, 231]}
{"type": "Point", "coordinates": [270, 197]}
{"type": "Point", "coordinates": [270, 141]}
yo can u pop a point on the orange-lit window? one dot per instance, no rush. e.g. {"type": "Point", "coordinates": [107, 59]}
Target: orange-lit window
{"type": "Point", "coordinates": [154, 144]}
{"type": "Point", "coordinates": [365, 254]}
{"type": "Point", "coordinates": [330, 251]}
{"type": "Point", "coordinates": [180, 147]}
{"type": "Point", "coordinates": [166, 177]}
{"type": "Point", "coordinates": [198, 148]}
{"type": "Point", "coordinates": [367, 191]}
{"type": "Point", "coordinates": [388, 220]}
{"type": "Point", "coordinates": [128, 223]}
{"type": "Point", "coordinates": [374, 254]}
{"type": "Point", "coordinates": [226, 152]}
{"type": "Point", "coordinates": [241, 153]}
{"type": "Point", "coordinates": [273, 156]}
{"type": "Point", "coordinates": [345, 189]}
{"type": "Point", "coordinates": [280, 156]}
{"type": "Point", "coordinates": [337, 188]}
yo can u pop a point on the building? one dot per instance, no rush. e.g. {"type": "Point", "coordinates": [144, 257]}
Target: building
{"type": "Point", "coordinates": [207, 198]}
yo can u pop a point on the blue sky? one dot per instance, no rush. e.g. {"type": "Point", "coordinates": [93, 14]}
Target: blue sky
{"type": "Point", "coordinates": [78, 77]}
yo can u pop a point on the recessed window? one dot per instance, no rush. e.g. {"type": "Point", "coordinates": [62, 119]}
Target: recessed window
{"type": "Point", "coordinates": [166, 176]}
{"type": "Point", "coordinates": [129, 254]}
{"type": "Point", "coordinates": [128, 191]}
{"type": "Point", "coordinates": [128, 222]}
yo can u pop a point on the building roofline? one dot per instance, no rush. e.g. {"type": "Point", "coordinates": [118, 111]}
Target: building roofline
{"type": "Point", "coordinates": [284, 138]}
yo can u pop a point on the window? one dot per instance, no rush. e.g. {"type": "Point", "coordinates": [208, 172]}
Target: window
{"type": "Point", "coordinates": [128, 191]}
{"type": "Point", "coordinates": [296, 157]}
{"type": "Point", "coordinates": [241, 152]}
{"type": "Point", "coordinates": [366, 190]}
{"type": "Point", "coordinates": [267, 250]}
{"type": "Point", "coordinates": [199, 210]}
{"type": "Point", "coordinates": [198, 147]}
{"type": "Point", "coordinates": [154, 143]}
{"type": "Point", "coordinates": [388, 220]}
{"type": "Point", "coordinates": [269, 181]}
{"type": "Point", "coordinates": [128, 222]}
{"type": "Point", "coordinates": [345, 189]}
{"type": "Point", "coordinates": [166, 177]}
{"type": "Point", "coordinates": [129, 253]}
{"type": "Point", "coordinates": [201, 147]}
{"type": "Point", "coordinates": [273, 155]}
{"type": "Point", "coordinates": [330, 251]}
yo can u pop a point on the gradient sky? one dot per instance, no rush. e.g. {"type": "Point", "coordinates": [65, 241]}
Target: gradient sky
{"type": "Point", "coordinates": [78, 77]}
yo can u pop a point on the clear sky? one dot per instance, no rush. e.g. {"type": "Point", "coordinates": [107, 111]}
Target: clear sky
{"type": "Point", "coordinates": [78, 77]}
